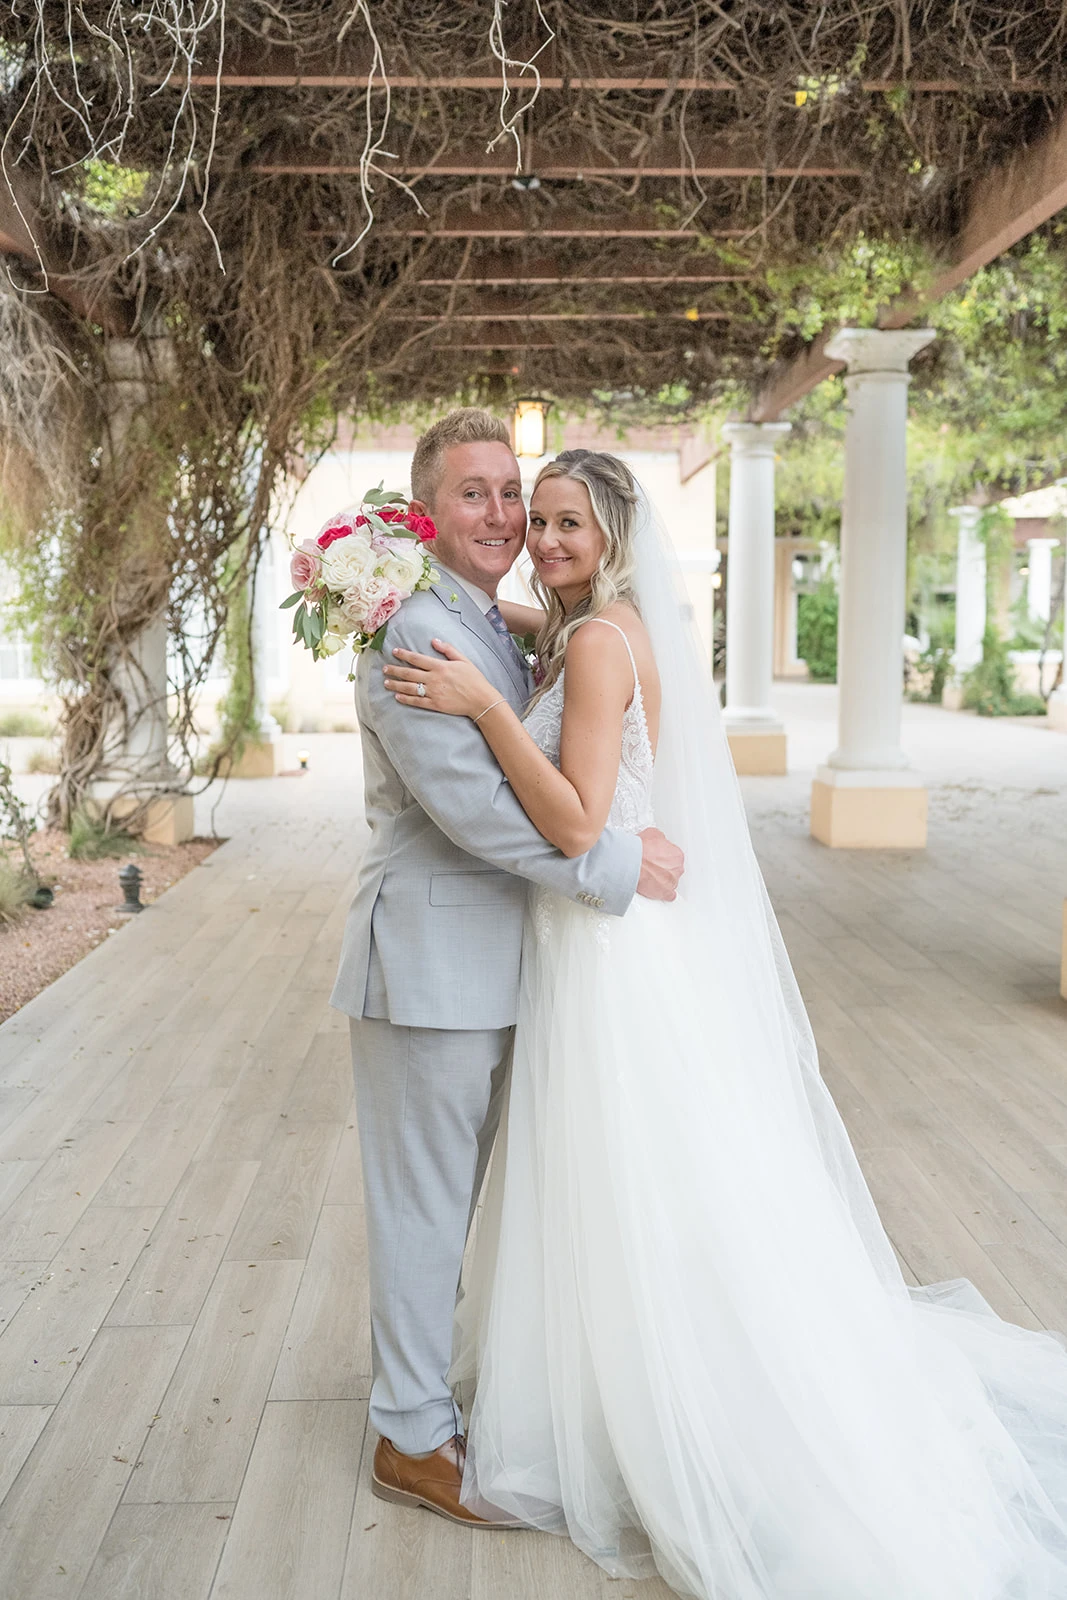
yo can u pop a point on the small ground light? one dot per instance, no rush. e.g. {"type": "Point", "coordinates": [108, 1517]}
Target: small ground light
{"type": "Point", "coordinates": [302, 757]}
{"type": "Point", "coordinates": [130, 880]}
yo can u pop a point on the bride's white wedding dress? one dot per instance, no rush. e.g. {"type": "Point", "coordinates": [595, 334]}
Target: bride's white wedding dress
{"type": "Point", "coordinates": [686, 1335]}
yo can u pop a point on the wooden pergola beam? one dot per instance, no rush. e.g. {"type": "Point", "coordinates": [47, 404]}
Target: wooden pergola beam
{"type": "Point", "coordinates": [282, 67]}
{"type": "Point", "coordinates": [557, 316]}
{"type": "Point", "coordinates": [1005, 205]}
{"type": "Point", "coordinates": [500, 222]}
{"type": "Point", "coordinates": [495, 273]}
{"type": "Point", "coordinates": [722, 158]}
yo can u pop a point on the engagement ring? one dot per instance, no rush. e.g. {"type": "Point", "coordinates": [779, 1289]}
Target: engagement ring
{"type": "Point", "coordinates": [420, 689]}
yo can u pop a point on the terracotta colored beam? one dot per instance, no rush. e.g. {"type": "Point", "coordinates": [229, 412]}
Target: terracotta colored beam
{"type": "Point", "coordinates": [663, 159]}
{"type": "Point", "coordinates": [496, 274]}
{"type": "Point", "coordinates": [1005, 205]}
{"type": "Point", "coordinates": [557, 316]}
{"type": "Point", "coordinates": [499, 222]}
{"type": "Point", "coordinates": [282, 67]}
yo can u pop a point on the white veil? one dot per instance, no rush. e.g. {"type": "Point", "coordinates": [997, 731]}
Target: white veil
{"type": "Point", "coordinates": [698, 804]}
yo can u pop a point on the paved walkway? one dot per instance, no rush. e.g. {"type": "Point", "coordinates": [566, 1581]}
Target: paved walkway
{"type": "Point", "coordinates": [184, 1348]}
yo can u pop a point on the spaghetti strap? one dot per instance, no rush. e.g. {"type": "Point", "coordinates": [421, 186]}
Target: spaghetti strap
{"type": "Point", "coordinates": [629, 648]}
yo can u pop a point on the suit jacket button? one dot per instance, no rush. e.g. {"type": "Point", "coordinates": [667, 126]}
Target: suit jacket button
{"type": "Point", "coordinates": [598, 903]}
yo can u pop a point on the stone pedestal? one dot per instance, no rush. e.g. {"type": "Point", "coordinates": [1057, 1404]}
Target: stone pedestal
{"type": "Point", "coordinates": [757, 754]}
{"type": "Point", "coordinates": [1057, 709]}
{"type": "Point", "coordinates": [756, 735]}
{"type": "Point", "coordinates": [867, 796]}
{"type": "Point", "coordinates": [868, 810]}
{"type": "Point", "coordinates": [167, 816]}
{"type": "Point", "coordinates": [260, 758]}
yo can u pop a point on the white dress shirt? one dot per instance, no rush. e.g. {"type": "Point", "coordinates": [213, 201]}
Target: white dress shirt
{"type": "Point", "coordinates": [483, 601]}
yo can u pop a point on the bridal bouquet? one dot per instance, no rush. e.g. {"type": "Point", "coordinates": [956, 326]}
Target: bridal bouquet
{"type": "Point", "coordinates": [357, 573]}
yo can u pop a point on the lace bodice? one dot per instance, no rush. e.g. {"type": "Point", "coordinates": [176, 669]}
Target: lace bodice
{"type": "Point", "coordinates": [631, 807]}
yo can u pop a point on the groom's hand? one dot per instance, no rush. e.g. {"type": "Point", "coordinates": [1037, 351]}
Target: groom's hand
{"type": "Point", "coordinates": [662, 864]}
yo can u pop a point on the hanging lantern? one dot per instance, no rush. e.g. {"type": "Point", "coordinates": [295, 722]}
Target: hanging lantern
{"type": "Point", "coordinates": [529, 428]}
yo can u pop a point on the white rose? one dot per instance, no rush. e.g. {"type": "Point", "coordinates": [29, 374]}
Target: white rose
{"type": "Point", "coordinates": [331, 643]}
{"type": "Point", "coordinates": [340, 620]}
{"type": "Point", "coordinates": [402, 565]}
{"type": "Point", "coordinates": [347, 561]}
{"type": "Point", "coordinates": [362, 597]}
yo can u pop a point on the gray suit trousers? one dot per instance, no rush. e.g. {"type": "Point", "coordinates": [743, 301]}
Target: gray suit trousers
{"type": "Point", "coordinates": [428, 1102]}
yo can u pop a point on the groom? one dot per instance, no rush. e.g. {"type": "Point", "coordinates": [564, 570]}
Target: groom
{"type": "Point", "coordinates": [429, 970]}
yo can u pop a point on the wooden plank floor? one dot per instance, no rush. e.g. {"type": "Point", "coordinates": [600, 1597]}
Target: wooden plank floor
{"type": "Point", "coordinates": [184, 1348]}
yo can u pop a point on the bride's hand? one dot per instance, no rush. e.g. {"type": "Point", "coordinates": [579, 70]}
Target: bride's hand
{"type": "Point", "coordinates": [454, 685]}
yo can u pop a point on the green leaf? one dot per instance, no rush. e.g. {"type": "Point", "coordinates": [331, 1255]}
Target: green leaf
{"type": "Point", "coordinates": [378, 641]}
{"type": "Point", "coordinates": [292, 600]}
{"type": "Point", "coordinates": [317, 626]}
{"type": "Point", "coordinates": [384, 497]}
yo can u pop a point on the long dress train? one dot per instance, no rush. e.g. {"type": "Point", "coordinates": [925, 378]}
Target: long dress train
{"type": "Point", "coordinates": [685, 1340]}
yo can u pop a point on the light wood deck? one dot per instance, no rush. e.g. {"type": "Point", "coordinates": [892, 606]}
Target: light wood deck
{"type": "Point", "coordinates": [184, 1349]}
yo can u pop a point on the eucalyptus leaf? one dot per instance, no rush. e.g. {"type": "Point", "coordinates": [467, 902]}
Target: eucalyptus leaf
{"type": "Point", "coordinates": [293, 599]}
{"type": "Point", "coordinates": [378, 641]}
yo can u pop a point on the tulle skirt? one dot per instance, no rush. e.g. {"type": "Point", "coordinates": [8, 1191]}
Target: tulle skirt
{"type": "Point", "coordinates": [676, 1345]}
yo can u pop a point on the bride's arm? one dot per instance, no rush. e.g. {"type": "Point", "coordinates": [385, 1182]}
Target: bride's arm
{"type": "Point", "coordinates": [568, 807]}
{"type": "Point", "coordinates": [521, 619]}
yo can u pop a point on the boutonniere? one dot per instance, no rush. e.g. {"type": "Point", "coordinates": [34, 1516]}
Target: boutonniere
{"type": "Point", "coordinates": [526, 643]}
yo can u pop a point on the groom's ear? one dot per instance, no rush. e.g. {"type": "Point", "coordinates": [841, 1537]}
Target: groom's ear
{"type": "Point", "coordinates": [420, 508]}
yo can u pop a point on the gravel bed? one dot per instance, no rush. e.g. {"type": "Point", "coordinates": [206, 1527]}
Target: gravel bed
{"type": "Point", "coordinates": [35, 950]}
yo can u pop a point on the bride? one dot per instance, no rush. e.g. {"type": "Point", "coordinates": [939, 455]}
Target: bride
{"type": "Point", "coordinates": [684, 1338]}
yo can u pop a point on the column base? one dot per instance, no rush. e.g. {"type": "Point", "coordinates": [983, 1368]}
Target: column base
{"type": "Point", "coordinates": [757, 751]}
{"type": "Point", "coordinates": [168, 818]}
{"type": "Point", "coordinates": [1057, 710]}
{"type": "Point", "coordinates": [260, 758]}
{"type": "Point", "coordinates": [864, 811]}
{"type": "Point", "coordinates": [952, 696]}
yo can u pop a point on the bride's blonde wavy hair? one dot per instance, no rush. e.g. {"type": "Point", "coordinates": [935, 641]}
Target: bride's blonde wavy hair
{"type": "Point", "coordinates": [613, 496]}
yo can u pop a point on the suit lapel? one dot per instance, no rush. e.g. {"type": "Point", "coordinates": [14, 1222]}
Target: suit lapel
{"type": "Point", "coordinates": [459, 602]}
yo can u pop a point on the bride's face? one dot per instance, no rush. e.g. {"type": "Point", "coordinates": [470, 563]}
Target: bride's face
{"type": "Point", "coordinates": [564, 540]}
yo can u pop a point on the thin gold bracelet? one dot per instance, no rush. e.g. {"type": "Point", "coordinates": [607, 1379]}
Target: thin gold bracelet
{"type": "Point", "coordinates": [487, 710]}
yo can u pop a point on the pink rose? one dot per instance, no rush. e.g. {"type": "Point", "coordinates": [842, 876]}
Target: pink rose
{"type": "Point", "coordinates": [386, 607]}
{"type": "Point", "coordinates": [305, 565]}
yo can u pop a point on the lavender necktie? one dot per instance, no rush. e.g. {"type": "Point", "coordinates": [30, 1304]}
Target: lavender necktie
{"type": "Point", "coordinates": [496, 621]}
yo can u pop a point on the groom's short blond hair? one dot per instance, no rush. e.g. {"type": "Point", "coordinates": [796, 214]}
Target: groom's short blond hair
{"type": "Point", "coordinates": [465, 425]}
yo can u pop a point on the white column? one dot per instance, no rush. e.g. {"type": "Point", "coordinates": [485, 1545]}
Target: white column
{"type": "Point", "coordinates": [264, 620]}
{"type": "Point", "coordinates": [970, 588]}
{"type": "Point", "coordinates": [1039, 578]}
{"type": "Point", "coordinates": [132, 367]}
{"type": "Point", "coordinates": [867, 795]}
{"type": "Point", "coordinates": [757, 738]}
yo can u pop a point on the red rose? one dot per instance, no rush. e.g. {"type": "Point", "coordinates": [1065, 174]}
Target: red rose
{"type": "Point", "coordinates": [422, 527]}
{"type": "Point", "coordinates": [339, 530]}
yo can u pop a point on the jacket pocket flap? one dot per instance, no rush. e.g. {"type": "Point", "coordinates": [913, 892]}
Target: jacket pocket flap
{"type": "Point", "coordinates": [468, 888]}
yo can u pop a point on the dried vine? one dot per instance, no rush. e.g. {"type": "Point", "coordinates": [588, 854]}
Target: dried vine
{"type": "Point", "coordinates": [131, 177]}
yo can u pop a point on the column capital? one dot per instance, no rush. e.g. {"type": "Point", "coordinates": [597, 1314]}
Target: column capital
{"type": "Point", "coordinates": [1051, 543]}
{"type": "Point", "coordinates": [754, 438]}
{"type": "Point", "coordinates": [878, 350]}
{"type": "Point", "coordinates": [969, 516]}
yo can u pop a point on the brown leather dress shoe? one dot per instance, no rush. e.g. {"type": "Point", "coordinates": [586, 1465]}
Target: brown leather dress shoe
{"type": "Point", "coordinates": [430, 1481]}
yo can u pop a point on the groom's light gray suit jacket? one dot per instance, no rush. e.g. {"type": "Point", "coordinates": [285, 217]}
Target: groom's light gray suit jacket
{"type": "Point", "coordinates": [442, 887]}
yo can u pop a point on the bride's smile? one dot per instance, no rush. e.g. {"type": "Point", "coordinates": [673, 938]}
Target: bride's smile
{"type": "Point", "coordinates": [565, 542]}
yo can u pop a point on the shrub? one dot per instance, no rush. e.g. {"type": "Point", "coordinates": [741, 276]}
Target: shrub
{"type": "Point", "coordinates": [92, 840]}
{"type": "Point", "coordinates": [23, 725]}
{"type": "Point", "coordinates": [43, 760]}
{"type": "Point", "coordinates": [16, 891]}
{"type": "Point", "coordinates": [817, 631]}
{"type": "Point", "coordinates": [989, 688]}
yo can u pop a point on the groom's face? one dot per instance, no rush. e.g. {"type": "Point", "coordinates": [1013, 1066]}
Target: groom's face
{"type": "Point", "coordinates": [478, 509]}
